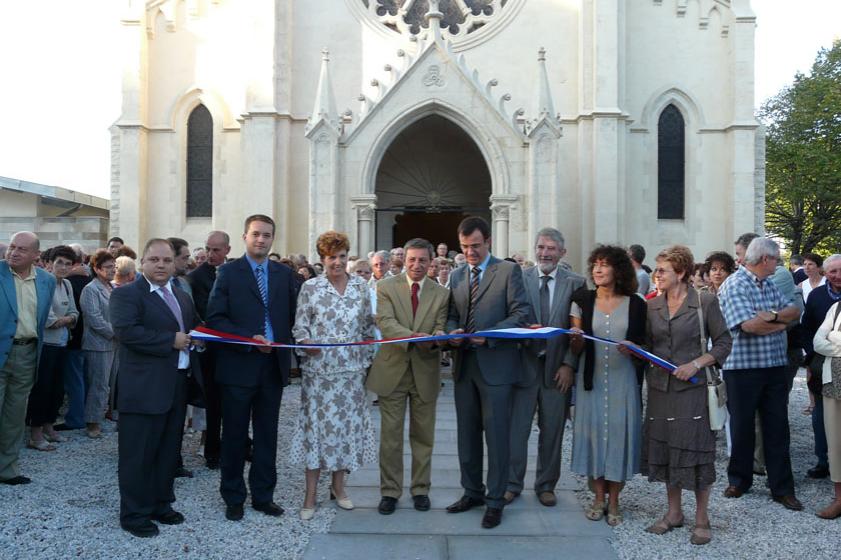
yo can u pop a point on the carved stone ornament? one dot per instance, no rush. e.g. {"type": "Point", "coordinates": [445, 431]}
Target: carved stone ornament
{"type": "Point", "coordinates": [365, 212]}
{"type": "Point", "coordinates": [501, 212]}
{"type": "Point", "coordinates": [458, 17]}
{"type": "Point", "coordinates": [433, 77]}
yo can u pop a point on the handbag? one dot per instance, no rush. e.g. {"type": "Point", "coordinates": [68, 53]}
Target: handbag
{"type": "Point", "coordinates": [716, 388]}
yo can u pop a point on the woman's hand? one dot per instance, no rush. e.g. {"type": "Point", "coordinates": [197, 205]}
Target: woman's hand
{"type": "Point", "coordinates": [625, 348]}
{"type": "Point", "coordinates": [576, 341]}
{"type": "Point", "coordinates": [310, 351]}
{"type": "Point", "coordinates": [564, 378]}
{"type": "Point", "coordinates": [685, 372]}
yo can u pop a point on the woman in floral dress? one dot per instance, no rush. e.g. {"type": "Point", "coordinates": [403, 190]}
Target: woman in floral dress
{"type": "Point", "coordinates": [334, 429]}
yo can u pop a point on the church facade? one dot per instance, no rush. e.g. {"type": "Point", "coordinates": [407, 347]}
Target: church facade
{"type": "Point", "coordinates": [616, 121]}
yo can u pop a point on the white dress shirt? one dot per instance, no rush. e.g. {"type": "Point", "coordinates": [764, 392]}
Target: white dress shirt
{"type": "Point", "coordinates": [183, 355]}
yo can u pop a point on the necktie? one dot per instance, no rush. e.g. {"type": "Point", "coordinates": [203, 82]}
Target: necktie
{"type": "Point", "coordinates": [474, 290]}
{"type": "Point", "coordinates": [264, 295]}
{"type": "Point", "coordinates": [415, 290]}
{"type": "Point", "coordinates": [170, 301]}
{"type": "Point", "coordinates": [544, 299]}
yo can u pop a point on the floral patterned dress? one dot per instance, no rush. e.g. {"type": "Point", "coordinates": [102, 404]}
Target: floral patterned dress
{"type": "Point", "coordinates": [334, 430]}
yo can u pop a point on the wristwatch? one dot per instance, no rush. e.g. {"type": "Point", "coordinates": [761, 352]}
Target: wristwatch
{"type": "Point", "coordinates": [774, 320]}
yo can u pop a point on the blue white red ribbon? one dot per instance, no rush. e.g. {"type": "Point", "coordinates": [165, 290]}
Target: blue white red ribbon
{"type": "Point", "coordinates": [210, 335]}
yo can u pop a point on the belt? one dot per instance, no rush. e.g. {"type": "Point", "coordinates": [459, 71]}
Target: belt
{"type": "Point", "coordinates": [24, 341]}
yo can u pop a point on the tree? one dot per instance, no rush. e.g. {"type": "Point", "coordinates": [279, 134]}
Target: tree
{"type": "Point", "coordinates": [803, 158]}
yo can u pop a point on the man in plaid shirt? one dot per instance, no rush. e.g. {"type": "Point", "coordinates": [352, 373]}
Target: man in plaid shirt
{"type": "Point", "coordinates": [756, 313]}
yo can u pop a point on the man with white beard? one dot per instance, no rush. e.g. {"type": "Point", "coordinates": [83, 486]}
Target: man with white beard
{"type": "Point", "coordinates": [548, 371]}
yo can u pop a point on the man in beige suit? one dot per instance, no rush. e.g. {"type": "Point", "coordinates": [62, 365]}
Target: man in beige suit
{"type": "Point", "coordinates": [408, 304]}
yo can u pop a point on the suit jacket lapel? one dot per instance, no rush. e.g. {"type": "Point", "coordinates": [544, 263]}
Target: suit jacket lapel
{"type": "Point", "coordinates": [461, 292]}
{"type": "Point", "coordinates": [532, 282]}
{"type": "Point", "coordinates": [425, 302]}
{"type": "Point", "coordinates": [487, 277]}
{"type": "Point", "coordinates": [252, 280]}
{"type": "Point", "coordinates": [560, 293]}
{"type": "Point", "coordinates": [156, 300]}
{"type": "Point", "coordinates": [404, 298]}
{"type": "Point", "coordinates": [8, 285]}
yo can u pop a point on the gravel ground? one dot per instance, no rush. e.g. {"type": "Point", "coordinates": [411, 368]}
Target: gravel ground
{"type": "Point", "coordinates": [749, 527]}
{"type": "Point", "coordinates": [71, 509]}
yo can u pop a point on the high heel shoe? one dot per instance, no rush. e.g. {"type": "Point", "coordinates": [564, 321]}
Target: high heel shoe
{"type": "Point", "coordinates": [343, 503]}
{"type": "Point", "coordinates": [306, 513]}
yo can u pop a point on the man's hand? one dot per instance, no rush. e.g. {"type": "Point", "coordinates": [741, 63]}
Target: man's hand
{"type": "Point", "coordinates": [62, 322]}
{"type": "Point", "coordinates": [264, 349]}
{"type": "Point", "coordinates": [425, 345]}
{"type": "Point", "coordinates": [536, 326]}
{"type": "Point", "coordinates": [564, 378]}
{"type": "Point", "coordinates": [685, 372]}
{"type": "Point", "coordinates": [456, 341]}
{"type": "Point", "coordinates": [310, 351]}
{"type": "Point", "coordinates": [477, 340]}
{"type": "Point", "coordinates": [182, 341]}
{"type": "Point", "coordinates": [766, 316]}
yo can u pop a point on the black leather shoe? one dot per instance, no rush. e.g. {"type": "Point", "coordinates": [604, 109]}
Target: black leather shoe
{"type": "Point", "coordinates": [212, 463]}
{"type": "Point", "coordinates": [789, 502]}
{"type": "Point", "coordinates": [492, 518]}
{"type": "Point", "coordinates": [171, 517]}
{"type": "Point", "coordinates": [181, 472]}
{"type": "Point", "coordinates": [15, 480]}
{"type": "Point", "coordinates": [387, 505]}
{"type": "Point", "coordinates": [234, 513]}
{"type": "Point", "coordinates": [465, 503]}
{"type": "Point", "coordinates": [269, 508]}
{"type": "Point", "coordinates": [147, 529]}
{"type": "Point", "coordinates": [819, 471]}
{"type": "Point", "coordinates": [421, 502]}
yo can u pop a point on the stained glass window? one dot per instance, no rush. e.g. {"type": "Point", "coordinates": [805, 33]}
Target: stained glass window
{"type": "Point", "coordinates": [200, 163]}
{"type": "Point", "coordinates": [671, 164]}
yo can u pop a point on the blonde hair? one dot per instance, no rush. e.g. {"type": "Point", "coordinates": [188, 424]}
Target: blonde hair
{"type": "Point", "coordinates": [681, 259]}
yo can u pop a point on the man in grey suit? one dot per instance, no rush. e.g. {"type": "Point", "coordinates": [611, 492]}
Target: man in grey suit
{"type": "Point", "coordinates": [486, 294]}
{"type": "Point", "coordinates": [548, 371]}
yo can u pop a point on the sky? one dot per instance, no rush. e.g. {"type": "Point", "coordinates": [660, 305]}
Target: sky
{"type": "Point", "coordinates": [60, 79]}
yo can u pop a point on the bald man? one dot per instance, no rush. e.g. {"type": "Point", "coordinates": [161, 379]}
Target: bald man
{"type": "Point", "coordinates": [27, 293]}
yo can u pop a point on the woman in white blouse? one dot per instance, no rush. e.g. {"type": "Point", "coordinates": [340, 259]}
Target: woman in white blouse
{"type": "Point", "coordinates": [827, 342]}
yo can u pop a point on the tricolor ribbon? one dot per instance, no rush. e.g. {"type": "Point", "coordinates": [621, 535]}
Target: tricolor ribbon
{"type": "Point", "coordinates": [210, 335]}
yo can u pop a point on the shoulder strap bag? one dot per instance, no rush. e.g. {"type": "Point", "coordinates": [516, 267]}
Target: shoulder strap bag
{"type": "Point", "coordinates": [716, 389]}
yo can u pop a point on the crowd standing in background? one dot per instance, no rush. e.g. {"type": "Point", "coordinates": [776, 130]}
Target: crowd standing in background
{"type": "Point", "coordinates": [88, 339]}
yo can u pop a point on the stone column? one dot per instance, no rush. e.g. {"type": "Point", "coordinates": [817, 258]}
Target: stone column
{"type": "Point", "coordinates": [501, 206]}
{"type": "Point", "coordinates": [365, 206]}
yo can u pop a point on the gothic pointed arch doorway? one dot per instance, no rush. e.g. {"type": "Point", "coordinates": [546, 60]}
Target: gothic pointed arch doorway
{"type": "Point", "coordinates": [431, 176]}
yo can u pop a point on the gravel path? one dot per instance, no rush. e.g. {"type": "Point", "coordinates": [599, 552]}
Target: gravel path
{"type": "Point", "coordinates": [749, 527]}
{"type": "Point", "coordinates": [71, 509]}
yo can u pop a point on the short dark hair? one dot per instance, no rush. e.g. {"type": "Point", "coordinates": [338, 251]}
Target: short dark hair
{"type": "Point", "coordinates": [126, 251]}
{"type": "Point", "coordinates": [722, 257]}
{"type": "Point", "coordinates": [60, 251]}
{"type": "Point", "coordinates": [637, 253]}
{"type": "Point", "coordinates": [814, 257]}
{"type": "Point", "coordinates": [155, 241]}
{"type": "Point", "coordinates": [117, 239]}
{"type": "Point", "coordinates": [471, 224]}
{"type": "Point", "coordinates": [796, 259]}
{"type": "Point", "coordinates": [259, 218]}
{"type": "Point", "coordinates": [177, 243]}
{"type": "Point", "coordinates": [101, 257]}
{"type": "Point", "coordinates": [745, 239]}
{"type": "Point", "coordinates": [420, 243]}
{"type": "Point", "coordinates": [623, 271]}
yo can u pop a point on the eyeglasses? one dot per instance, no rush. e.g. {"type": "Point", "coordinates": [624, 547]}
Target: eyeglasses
{"type": "Point", "coordinates": [663, 271]}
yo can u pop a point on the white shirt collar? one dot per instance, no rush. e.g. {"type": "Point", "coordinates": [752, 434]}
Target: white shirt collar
{"type": "Point", "coordinates": [154, 287]}
{"type": "Point", "coordinates": [553, 275]}
{"type": "Point", "coordinates": [420, 283]}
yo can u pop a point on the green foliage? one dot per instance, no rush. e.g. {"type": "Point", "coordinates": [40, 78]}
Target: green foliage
{"type": "Point", "coordinates": [803, 158]}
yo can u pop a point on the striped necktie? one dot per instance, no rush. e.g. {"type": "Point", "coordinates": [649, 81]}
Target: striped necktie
{"type": "Point", "coordinates": [474, 290]}
{"type": "Point", "coordinates": [264, 295]}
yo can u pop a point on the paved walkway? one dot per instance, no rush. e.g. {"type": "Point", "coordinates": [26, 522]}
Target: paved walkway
{"type": "Point", "coordinates": [529, 531]}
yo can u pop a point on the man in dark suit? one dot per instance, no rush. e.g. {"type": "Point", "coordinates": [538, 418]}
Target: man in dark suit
{"type": "Point", "coordinates": [217, 247]}
{"type": "Point", "coordinates": [486, 294]}
{"type": "Point", "coordinates": [252, 297]}
{"type": "Point", "coordinates": [548, 372]}
{"type": "Point", "coordinates": [151, 320]}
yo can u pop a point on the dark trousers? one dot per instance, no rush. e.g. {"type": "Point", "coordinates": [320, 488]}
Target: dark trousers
{"type": "Point", "coordinates": [482, 407]}
{"type": "Point", "coordinates": [821, 448]}
{"type": "Point", "coordinates": [48, 391]}
{"type": "Point", "coordinates": [213, 405]}
{"type": "Point", "coordinates": [260, 405]}
{"type": "Point", "coordinates": [764, 390]}
{"type": "Point", "coordinates": [148, 456]}
{"type": "Point", "coordinates": [74, 386]}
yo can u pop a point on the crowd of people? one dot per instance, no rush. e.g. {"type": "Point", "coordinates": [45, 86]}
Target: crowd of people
{"type": "Point", "coordinates": [106, 337]}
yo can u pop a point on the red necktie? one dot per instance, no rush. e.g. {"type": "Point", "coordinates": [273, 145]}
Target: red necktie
{"type": "Point", "coordinates": [415, 289]}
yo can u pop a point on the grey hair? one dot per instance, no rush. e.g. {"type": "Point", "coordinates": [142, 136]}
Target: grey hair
{"type": "Point", "coordinates": [552, 234]}
{"type": "Point", "coordinates": [759, 248]}
{"type": "Point", "coordinates": [225, 236]}
{"type": "Point", "coordinates": [386, 255]}
{"type": "Point", "coordinates": [36, 243]}
{"type": "Point", "coordinates": [419, 243]}
{"type": "Point", "coordinates": [354, 266]}
{"type": "Point", "coordinates": [831, 258]}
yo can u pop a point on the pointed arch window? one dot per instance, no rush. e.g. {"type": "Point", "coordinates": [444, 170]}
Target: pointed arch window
{"type": "Point", "coordinates": [671, 164]}
{"type": "Point", "coordinates": [200, 163]}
